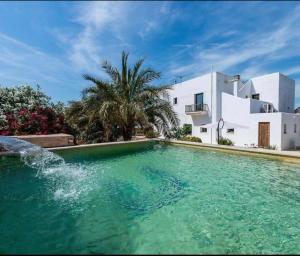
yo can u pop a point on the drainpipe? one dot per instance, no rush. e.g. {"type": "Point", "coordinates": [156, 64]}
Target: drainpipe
{"type": "Point", "coordinates": [236, 80]}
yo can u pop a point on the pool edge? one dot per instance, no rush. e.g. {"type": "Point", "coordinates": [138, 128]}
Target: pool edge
{"type": "Point", "coordinates": [105, 144]}
{"type": "Point", "coordinates": [278, 155]}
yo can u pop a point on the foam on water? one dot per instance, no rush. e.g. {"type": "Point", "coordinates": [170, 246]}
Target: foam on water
{"type": "Point", "coordinates": [62, 194]}
{"type": "Point", "coordinates": [48, 165]}
{"type": "Point", "coordinates": [32, 155]}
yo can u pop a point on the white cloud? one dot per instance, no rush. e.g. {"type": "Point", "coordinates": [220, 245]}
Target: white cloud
{"type": "Point", "coordinates": [94, 18]}
{"type": "Point", "coordinates": [292, 71]}
{"type": "Point", "coordinates": [23, 64]}
{"type": "Point", "coordinates": [107, 28]}
{"type": "Point", "coordinates": [155, 18]}
{"type": "Point", "coordinates": [101, 30]}
{"type": "Point", "coordinates": [257, 49]}
{"type": "Point", "coordinates": [149, 26]}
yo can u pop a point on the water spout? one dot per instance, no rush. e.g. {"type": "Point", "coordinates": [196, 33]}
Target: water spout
{"type": "Point", "coordinates": [32, 155]}
{"type": "Point", "coordinates": [67, 181]}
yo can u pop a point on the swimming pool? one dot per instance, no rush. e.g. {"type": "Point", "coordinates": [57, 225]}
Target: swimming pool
{"type": "Point", "coordinates": [150, 198]}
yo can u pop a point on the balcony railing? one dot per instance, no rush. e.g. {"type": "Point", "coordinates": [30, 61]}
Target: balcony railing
{"type": "Point", "coordinates": [267, 108]}
{"type": "Point", "coordinates": [196, 108]}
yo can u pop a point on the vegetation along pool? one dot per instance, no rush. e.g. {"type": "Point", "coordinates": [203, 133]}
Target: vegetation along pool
{"type": "Point", "coordinates": [150, 198]}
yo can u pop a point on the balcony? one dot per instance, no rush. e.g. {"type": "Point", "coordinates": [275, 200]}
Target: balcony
{"type": "Point", "coordinates": [196, 109]}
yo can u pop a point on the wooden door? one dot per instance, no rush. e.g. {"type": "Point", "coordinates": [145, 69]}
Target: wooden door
{"type": "Point", "coordinates": [263, 134]}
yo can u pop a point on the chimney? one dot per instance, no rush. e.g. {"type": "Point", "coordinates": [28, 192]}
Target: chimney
{"type": "Point", "coordinates": [236, 81]}
{"type": "Point", "coordinates": [236, 77]}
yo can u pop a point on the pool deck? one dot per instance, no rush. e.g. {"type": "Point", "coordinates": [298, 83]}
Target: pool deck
{"type": "Point", "coordinates": [286, 155]}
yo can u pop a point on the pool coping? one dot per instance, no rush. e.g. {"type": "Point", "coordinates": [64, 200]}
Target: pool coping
{"type": "Point", "coordinates": [290, 156]}
{"type": "Point", "coordinates": [104, 144]}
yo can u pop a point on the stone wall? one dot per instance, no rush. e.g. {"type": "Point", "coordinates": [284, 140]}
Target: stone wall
{"type": "Point", "coordinates": [49, 141]}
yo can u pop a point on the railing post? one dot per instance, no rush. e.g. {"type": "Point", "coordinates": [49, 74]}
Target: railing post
{"type": "Point", "coordinates": [195, 107]}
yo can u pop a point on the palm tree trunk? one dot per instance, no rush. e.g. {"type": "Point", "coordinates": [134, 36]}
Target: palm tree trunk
{"type": "Point", "coordinates": [127, 132]}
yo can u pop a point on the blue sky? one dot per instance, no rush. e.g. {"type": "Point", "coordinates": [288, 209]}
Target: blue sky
{"type": "Point", "coordinates": [53, 43]}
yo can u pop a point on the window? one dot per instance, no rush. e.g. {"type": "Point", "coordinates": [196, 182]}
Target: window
{"type": "Point", "coordinates": [198, 98]}
{"type": "Point", "coordinates": [203, 129]}
{"type": "Point", "coordinates": [255, 96]}
{"type": "Point", "coordinates": [175, 101]}
{"type": "Point", "coordinates": [284, 128]}
{"type": "Point", "coordinates": [165, 96]}
{"type": "Point", "coordinates": [187, 129]}
{"type": "Point", "coordinates": [231, 130]}
{"type": "Point", "coordinates": [295, 128]}
{"type": "Point", "coordinates": [199, 101]}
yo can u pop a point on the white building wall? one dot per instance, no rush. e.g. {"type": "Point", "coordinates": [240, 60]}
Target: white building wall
{"type": "Point", "coordinates": [218, 92]}
{"type": "Point", "coordinates": [275, 120]}
{"type": "Point", "coordinates": [291, 138]}
{"type": "Point", "coordinates": [256, 105]}
{"type": "Point", "coordinates": [245, 89]}
{"type": "Point", "coordinates": [268, 88]}
{"type": "Point", "coordinates": [185, 93]}
{"type": "Point", "coordinates": [276, 89]}
{"type": "Point", "coordinates": [223, 85]}
{"type": "Point", "coordinates": [236, 110]}
{"type": "Point", "coordinates": [286, 94]}
{"type": "Point", "coordinates": [240, 114]}
{"type": "Point", "coordinates": [283, 141]}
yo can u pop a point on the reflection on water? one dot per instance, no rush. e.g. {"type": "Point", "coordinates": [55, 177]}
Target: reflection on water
{"type": "Point", "coordinates": [164, 189]}
{"type": "Point", "coordinates": [152, 200]}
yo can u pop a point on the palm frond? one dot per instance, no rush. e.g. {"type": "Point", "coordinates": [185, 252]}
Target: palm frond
{"type": "Point", "coordinates": [111, 71]}
{"type": "Point", "coordinates": [127, 99]}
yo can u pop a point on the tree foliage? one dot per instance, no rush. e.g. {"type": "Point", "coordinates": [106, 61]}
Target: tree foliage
{"type": "Point", "coordinates": [125, 101]}
{"type": "Point", "coordinates": [25, 110]}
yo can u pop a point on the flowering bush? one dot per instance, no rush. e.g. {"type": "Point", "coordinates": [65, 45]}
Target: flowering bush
{"type": "Point", "coordinates": [24, 110]}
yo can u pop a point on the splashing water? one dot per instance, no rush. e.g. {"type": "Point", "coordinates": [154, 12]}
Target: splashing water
{"type": "Point", "coordinates": [32, 155]}
{"type": "Point", "coordinates": [66, 177]}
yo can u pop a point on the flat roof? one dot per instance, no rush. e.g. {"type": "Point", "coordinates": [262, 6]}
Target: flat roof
{"type": "Point", "coordinates": [218, 72]}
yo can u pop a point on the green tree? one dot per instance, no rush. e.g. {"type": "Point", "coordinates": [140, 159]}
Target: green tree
{"type": "Point", "coordinates": [127, 100]}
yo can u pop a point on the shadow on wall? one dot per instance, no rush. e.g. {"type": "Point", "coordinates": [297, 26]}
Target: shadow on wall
{"type": "Point", "coordinates": [201, 120]}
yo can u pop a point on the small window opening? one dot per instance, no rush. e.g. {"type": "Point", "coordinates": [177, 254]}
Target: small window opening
{"type": "Point", "coordinates": [203, 129]}
{"type": "Point", "coordinates": [255, 96]}
{"type": "Point", "coordinates": [231, 130]}
{"type": "Point", "coordinates": [284, 128]}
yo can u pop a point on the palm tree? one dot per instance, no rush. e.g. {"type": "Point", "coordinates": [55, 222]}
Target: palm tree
{"type": "Point", "coordinates": [128, 100]}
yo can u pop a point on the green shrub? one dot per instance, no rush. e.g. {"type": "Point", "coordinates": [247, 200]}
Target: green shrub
{"type": "Point", "coordinates": [178, 132]}
{"type": "Point", "coordinates": [27, 110]}
{"type": "Point", "coordinates": [151, 134]}
{"type": "Point", "coordinates": [273, 147]}
{"type": "Point", "coordinates": [187, 129]}
{"type": "Point", "coordinates": [191, 138]}
{"type": "Point", "coordinates": [225, 141]}
{"type": "Point", "coordinates": [139, 132]}
{"type": "Point", "coordinates": [175, 133]}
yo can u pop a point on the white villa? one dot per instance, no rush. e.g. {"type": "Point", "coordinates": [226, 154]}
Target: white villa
{"type": "Point", "coordinates": [256, 113]}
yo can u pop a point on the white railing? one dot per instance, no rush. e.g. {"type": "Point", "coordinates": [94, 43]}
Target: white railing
{"type": "Point", "coordinates": [196, 108]}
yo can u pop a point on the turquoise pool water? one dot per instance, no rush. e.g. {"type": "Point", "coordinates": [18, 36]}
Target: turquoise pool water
{"type": "Point", "coordinates": [150, 198]}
